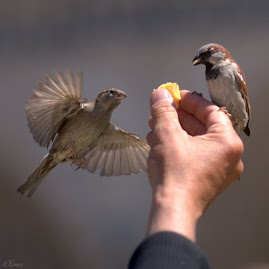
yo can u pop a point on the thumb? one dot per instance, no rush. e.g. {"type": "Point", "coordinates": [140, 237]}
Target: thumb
{"type": "Point", "coordinates": [163, 109]}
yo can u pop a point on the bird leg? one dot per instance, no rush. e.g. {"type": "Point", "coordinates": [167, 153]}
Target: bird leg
{"type": "Point", "coordinates": [71, 156]}
{"type": "Point", "coordinates": [70, 151]}
{"type": "Point", "coordinates": [235, 122]}
{"type": "Point", "coordinates": [77, 161]}
{"type": "Point", "coordinates": [197, 93]}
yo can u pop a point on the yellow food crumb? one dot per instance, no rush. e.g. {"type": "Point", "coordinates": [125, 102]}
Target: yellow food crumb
{"type": "Point", "coordinates": [174, 90]}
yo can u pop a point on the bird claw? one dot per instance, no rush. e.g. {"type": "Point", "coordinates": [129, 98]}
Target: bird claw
{"type": "Point", "coordinates": [72, 156]}
{"type": "Point", "coordinates": [70, 150]}
{"type": "Point", "coordinates": [197, 93]}
{"type": "Point", "coordinates": [225, 111]}
{"type": "Point", "coordinates": [79, 162]}
{"type": "Point", "coordinates": [235, 122]}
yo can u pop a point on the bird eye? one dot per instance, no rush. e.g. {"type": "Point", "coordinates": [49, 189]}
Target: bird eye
{"type": "Point", "coordinates": [208, 53]}
{"type": "Point", "coordinates": [111, 92]}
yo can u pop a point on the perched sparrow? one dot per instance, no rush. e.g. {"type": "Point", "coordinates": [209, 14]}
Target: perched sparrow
{"type": "Point", "coordinates": [226, 84]}
{"type": "Point", "coordinates": [81, 131]}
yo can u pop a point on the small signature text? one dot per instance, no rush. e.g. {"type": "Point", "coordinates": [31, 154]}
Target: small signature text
{"type": "Point", "coordinates": [12, 264]}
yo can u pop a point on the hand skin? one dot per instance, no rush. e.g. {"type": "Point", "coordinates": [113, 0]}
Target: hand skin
{"type": "Point", "coordinates": [195, 155]}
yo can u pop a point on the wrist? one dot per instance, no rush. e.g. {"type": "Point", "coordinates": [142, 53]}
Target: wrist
{"type": "Point", "coordinates": [173, 210]}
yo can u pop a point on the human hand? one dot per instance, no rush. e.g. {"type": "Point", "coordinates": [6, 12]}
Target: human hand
{"type": "Point", "coordinates": [195, 155]}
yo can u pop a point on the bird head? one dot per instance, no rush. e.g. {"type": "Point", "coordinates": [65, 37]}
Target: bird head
{"type": "Point", "coordinates": [211, 54]}
{"type": "Point", "coordinates": [110, 98]}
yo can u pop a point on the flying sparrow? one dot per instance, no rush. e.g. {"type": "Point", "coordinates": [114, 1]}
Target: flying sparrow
{"type": "Point", "coordinates": [81, 132]}
{"type": "Point", "coordinates": [226, 84]}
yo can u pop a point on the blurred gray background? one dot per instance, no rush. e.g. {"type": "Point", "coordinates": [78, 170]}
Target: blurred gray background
{"type": "Point", "coordinates": [80, 220]}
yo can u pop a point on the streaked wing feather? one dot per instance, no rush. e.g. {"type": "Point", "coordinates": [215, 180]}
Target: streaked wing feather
{"type": "Point", "coordinates": [48, 91]}
{"type": "Point", "coordinates": [55, 86]}
{"type": "Point", "coordinates": [126, 170]}
{"type": "Point", "coordinates": [103, 158]}
{"type": "Point", "coordinates": [141, 158]}
{"type": "Point", "coordinates": [94, 161]}
{"type": "Point", "coordinates": [102, 163]}
{"type": "Point", "coordinates": [52, 103]}
{"type": "Point", "coordinates": [63, 84]}
{"type": "Point", "coordinates": [243, 86]}
{"type": "Point", "coordinates": [244, 92]}
{"type": "Point", "coordinates": [110, 162]}
{"type": "Point", "coordinates": [122, 153]}
{"type": "Point", "coordinates": [133, 162]}
{"type": "Point", "coordinates": [71, 83]}
{"type": "Point", "coordinates": [78, 83]}
{"type": "Point", "coordinates": [117, 162]}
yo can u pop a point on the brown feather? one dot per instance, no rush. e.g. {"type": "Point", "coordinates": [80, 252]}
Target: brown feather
{"type": "Point", "coordinates": [125, 153]}
{"type": "Point", "coordinates": [241, 84]}
{"type": "Point", "coordinates": [52, 103]}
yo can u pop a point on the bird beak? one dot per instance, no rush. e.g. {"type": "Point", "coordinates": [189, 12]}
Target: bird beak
{"type": "Point", "coordinates": [121, 95]}
{"type": "Point", "coordinates": [197, 60]}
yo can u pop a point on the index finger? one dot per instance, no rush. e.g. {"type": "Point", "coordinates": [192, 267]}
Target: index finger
{"type": "Point", "coordinates": [202, 109]}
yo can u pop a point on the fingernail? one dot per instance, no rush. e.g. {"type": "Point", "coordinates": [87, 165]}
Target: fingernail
{"type": "Point", "coordinates": [161, 95]}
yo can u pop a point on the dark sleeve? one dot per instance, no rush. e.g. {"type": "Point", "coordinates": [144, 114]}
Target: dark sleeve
{"type": "Point", "coordinates": [168, 250]}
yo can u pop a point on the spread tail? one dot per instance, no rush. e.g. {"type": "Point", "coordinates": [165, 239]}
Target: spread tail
{"type": "Point", "coordinates": [37, 176]}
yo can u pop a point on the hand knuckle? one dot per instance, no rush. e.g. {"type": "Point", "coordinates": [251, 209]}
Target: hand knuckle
{"type": "Point", "coordinates": [234, 146]}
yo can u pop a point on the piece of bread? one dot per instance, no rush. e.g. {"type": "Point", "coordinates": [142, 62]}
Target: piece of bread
{"type": "Point", "coordinates": [174, 90]}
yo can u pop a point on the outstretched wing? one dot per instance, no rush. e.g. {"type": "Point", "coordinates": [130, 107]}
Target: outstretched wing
{"type": "Point", "coordinates": [51, 104]}
{"type": "Point", "coordinates": [116, 153]}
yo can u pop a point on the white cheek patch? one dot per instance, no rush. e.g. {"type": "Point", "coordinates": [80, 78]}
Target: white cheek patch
{"type": "Point", "coordinates": [216, 57]}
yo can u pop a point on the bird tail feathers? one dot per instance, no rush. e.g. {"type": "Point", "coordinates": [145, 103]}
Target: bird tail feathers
{"type": "Point", "coordinates": [37, 176]}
